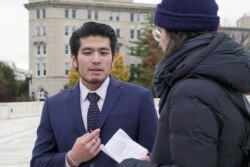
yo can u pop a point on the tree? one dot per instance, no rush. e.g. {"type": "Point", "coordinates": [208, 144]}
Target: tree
{"type": "Point", "coordinates": [119, 70]}
{"type": "Point", "coordinates": [22, 92]}
{"type": "Point", "coordinates": [146, 48]}
{"type": "Point", "coordinates": [73, 77]}
{"type": "Point", "coordinates": [7, 83]}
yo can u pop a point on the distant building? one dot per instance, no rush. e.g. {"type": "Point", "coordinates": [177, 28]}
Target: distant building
{"type": "Point", "coordinates": [20, 74]}
{"type": "Point", "coordinates": [51, 23]}
{"type": "Point", "coordinates": [244, 21]}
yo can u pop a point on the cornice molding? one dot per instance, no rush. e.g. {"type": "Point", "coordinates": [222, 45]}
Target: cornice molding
{"type": "Point", "coordinates": [84, 5]}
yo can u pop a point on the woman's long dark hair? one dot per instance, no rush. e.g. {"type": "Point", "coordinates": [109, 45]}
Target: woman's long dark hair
{"type": "Point", "coordinates": [178, 38]}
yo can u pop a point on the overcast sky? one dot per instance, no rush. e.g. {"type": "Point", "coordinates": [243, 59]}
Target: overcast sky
{"type": "Point", "coordinates": [14, 25]}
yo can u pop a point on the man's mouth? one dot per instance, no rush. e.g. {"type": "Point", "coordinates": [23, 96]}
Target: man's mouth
{"type": "Point", "coordinates": [95, 69]}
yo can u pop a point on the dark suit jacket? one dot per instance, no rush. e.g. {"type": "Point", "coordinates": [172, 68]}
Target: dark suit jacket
{"type": "Point", "coordinates": [126, 106]}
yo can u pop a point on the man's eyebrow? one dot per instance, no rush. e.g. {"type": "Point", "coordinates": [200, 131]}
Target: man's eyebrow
{"type": "Point", "coordinates": [105, 48]}
{"type": "Point", "coordinates": [86, 48]}
{"type": "Point", "coordinates": [91, 49]}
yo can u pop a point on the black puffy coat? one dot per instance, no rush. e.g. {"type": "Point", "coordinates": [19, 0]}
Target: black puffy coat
{"type": "Point", "coordinates": [199, 124]}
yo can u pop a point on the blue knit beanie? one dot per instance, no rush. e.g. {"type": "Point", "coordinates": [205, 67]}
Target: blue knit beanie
{"type": "Point", "coordinates": [187, 15]}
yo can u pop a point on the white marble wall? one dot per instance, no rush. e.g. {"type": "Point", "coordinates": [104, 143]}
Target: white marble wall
{"type": "Point", "coordinates": [28, 109]}
{"type": "Point", "coordinates": [20, 109]}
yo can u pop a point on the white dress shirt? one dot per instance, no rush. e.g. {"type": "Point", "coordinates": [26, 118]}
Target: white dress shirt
{"type": "Point", "coordinates": [84, 102]}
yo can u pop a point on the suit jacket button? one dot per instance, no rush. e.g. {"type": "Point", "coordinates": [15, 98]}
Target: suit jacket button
{"type": "Point", "coordinates": [92, 165]}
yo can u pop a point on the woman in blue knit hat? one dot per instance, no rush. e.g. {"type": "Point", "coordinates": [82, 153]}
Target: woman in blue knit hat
{"type": "Point", "coordinates": [204, 115]}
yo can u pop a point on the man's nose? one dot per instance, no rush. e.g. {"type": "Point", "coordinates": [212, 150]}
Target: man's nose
{"type": "Point", "coordinates": [96, 57]}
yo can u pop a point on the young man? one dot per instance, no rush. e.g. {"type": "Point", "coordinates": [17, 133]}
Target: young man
{"type": "Point", "coordinates": [69, 133]}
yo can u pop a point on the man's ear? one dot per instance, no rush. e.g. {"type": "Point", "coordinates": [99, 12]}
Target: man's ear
{"type": "Point", "coordinates": [113, 60]}
{"type": "Point", "coordinates": [74, 61]}
{"type": "Point", "coordinates": [113, 63]}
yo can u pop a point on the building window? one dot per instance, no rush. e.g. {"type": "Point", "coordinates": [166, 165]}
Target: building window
{"type": "Point", "coordinates": [44, 49]}
{"type": "Point", "coordinates": [118, 33]}
{"type": "Point", "coordinates": [138, 17]}
{"type": "Point", "coordinates": [73, 13]}
{"type": "Point", "coordinates": [70, 13]}
{"type": "Point", "coordinates": [89, 14]}
{"type": "Point", "coordinates": [66, 49]}
{"type": "Point", "coordinates": [41, 31]}
{"type": "Point", "coordinates": [44, 13]}
{"type": "Point", "coordinates": [111, 16]}
{"type": "Point", "coordinates": [66, 67]}
{"type": "Point", "coordinates": [96, 14]}
{"type": "Point", "coordinates": [114, 16]}
{"type": "Point", "coordinates": [44, 30]}
{"type": "Point", "coordinates": [38, 51]}
{"type": "Point", "coordinates": [38, 69]}
{"type": "Point", "coordinates": [41, 49]}
{"type": "Point", "coordinates": [132, 17]}
{"type": "Point", "coordinates": [138, 34]}
{"type": "Point", "coordinates": [44, 69]}
{"type": "Point", "coordinates": [41, 69]}
{"type": "Point", "coordinates": [40, 13]}
{"type": "Point", "coordinates": [38, 33]}
{"type": "Point", "coordinates": [132, 34]}
{"type": "Point", "coordinates": [66, 13]}
{"type": "Point", "coordinates": [66, 31]}
{"type": "Point", "coordinates": [117, 17]}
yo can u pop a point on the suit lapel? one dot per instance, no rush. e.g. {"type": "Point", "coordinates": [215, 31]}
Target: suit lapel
{"type": "Point", "coordinates": [112, 96]}
{"type": "Point", "coordinates": [75, 108]}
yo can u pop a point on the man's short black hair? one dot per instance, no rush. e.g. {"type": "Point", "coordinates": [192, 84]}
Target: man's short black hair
{"type": "Point", "coordinates": [92, 29]}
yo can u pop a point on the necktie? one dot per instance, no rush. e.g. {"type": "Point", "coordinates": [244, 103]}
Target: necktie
{"type": "Point", "coordinates": [93, 112]}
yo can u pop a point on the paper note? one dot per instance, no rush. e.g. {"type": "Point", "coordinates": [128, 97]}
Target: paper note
{"type": "Point", "coordinates": [121, 147]}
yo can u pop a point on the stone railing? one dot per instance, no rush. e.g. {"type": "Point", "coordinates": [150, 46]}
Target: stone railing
{"type": "Point", "coordinates": [28, 109]}
{"type": "Point", "coordinates": [20, 109]}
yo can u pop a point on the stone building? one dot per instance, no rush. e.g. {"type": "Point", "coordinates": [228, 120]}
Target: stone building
{"type": "Point", "coordinates": [244, 21]}
{"type": "Point", "coordinates": [51, 23]}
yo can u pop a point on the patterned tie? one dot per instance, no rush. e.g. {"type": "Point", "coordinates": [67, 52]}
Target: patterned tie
{"type": "Point", "coordinates": [93, 112]}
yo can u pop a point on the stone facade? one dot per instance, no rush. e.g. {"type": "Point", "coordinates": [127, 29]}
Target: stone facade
{"type": "Point", "coordinates": [244, 21]}
{"type": "Point", "coordinates": [51, 23]}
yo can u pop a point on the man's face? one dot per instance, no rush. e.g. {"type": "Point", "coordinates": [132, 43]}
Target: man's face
{"type": "Point", "coordinates": [94, 61]}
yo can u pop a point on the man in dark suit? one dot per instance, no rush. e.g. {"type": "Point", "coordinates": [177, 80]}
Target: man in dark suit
{"type": "Point", "coordinates": [72, 127]}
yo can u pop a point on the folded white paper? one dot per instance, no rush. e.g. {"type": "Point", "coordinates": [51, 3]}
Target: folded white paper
{"type": "Point", "coordinates": [121, 147]}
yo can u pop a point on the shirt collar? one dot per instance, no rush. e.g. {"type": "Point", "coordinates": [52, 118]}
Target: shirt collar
{"type": "Point", "coordinates": [101, 91]}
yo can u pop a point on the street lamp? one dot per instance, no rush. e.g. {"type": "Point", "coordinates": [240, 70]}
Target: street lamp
{"type": "Point", "coordinates": [28, 78]}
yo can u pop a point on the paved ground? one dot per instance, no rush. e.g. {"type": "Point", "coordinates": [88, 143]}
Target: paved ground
{"type": "Point", "coordinates": [17, 138]}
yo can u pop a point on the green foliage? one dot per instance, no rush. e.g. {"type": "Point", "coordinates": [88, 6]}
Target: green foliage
{"type": "Point", "coordinates": [119, 70]}
{"type": "Point", "coordinates": [7, 83]}
{"type": "Point", "coordinates": [147, 49]}
{"type": "Point", "coordinates": [22, 93]}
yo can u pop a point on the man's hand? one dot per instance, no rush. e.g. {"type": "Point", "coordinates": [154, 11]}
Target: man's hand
{"type": "Point", "coordinates": [145, 158]}
{"type": "Point", "coordinates": [86, 147]}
